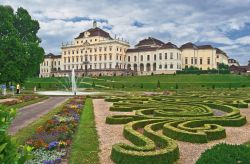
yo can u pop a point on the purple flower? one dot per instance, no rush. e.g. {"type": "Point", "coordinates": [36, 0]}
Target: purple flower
{"type": "Point", "coordinates": [48, 162]}
{"type": "Point", "coordinates": [52, 144]}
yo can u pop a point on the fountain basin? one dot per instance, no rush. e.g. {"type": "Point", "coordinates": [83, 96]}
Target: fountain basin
{"type": "Point", "coordinates": [65, 93]}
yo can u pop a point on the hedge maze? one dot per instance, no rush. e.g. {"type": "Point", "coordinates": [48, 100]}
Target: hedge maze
{"type": "Point", "coordinates": [159, 120]}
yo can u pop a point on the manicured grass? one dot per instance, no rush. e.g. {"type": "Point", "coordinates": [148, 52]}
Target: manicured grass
{"type": "Point", "coordinates": [85, 146]}
{"type": "Point", "coordinates": [21, 136]}
{"type": "Point", "coordinates": [148, 82]}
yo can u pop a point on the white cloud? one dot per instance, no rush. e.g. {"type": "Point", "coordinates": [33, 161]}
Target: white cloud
{"type": "Point", "coordinates": [178, 21]}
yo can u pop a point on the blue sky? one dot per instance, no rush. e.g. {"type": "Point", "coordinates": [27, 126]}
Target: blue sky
{"type": "Point", "coordinates": [221, 23]}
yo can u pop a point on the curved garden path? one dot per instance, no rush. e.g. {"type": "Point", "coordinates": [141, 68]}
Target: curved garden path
{"type": "Point", "coordinates": [108, 134]}
{"type": "Point", "coordinates": [30, 113]}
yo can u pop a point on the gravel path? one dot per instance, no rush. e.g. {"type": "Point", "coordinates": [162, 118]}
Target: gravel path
{"type": "Point", "coordinates": [108, 134]}
{"type": "Point", "coordinates": [218, 112]}
{"type": "Point", "coordinates": [190, 153]}
{"type": "Point", "coordinates": [30, 113]}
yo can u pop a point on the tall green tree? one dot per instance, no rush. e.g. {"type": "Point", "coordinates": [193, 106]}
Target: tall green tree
{"type": "Point", "coordinates": [20, 51]}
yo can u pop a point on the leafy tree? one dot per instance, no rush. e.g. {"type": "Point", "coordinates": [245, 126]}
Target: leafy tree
{"type": "Point", "coordinates": [93, 84]}
{"type": "Point", "coordinates": [20, 52]}
{"type": "Point", "coordinates": [222, 66]}
{"type": "Point", "coordinates": [158, 84]}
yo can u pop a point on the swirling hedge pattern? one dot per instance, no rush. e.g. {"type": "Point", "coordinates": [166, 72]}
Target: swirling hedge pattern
{"type": "Point", "coordinates": [159, 120]}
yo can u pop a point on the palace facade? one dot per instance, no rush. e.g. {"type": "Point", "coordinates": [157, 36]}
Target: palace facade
{"type": "Point", "coordinates": [94, 52]}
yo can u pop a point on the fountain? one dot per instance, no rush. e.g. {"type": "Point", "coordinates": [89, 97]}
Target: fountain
{"type": "Point", "coordinates": [73, 81]}
{"type": "Point", "coordinates": [73, 86]}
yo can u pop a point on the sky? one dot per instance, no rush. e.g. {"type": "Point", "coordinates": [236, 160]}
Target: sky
{"type": "Point", "coordinates": [222, 23]}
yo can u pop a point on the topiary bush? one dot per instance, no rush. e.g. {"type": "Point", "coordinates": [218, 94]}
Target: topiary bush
{"type": "Point", "coordinates": [158, 120]}
{"type": "Point", "coordinates": [224, 153]}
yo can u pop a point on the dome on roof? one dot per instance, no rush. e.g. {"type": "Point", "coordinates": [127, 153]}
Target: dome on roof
{"type": "Point", "coordinates": [169, 45]}
{"type": "Point", "coordinates": [150, 41]}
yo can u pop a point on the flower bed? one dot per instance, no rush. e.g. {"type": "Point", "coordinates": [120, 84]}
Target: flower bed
{"type": "Point", "coordinates": [21, 99]}
{"type": "Point", "coordinates": [51, 141]}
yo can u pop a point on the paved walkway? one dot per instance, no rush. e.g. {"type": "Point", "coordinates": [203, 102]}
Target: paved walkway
{"type": "Point", "coordinates": [30, 113]}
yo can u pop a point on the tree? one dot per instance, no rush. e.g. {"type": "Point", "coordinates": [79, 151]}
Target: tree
{"type": "Point", "coordinates": [158, 84]}
{"type": "Point", "coordinates": [93, 84]}
{"type": "Point", "coordinates": [222, 66]}
{"type": "Point", "coordinates": [20, 52]}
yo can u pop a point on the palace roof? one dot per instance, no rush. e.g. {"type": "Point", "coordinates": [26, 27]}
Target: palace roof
{"type": "Point", "coordinates": [95, 32]}
{"type": "Point", "coordinates": [150, 41]}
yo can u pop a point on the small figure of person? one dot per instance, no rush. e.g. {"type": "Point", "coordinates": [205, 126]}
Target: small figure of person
{"type": "Point", "coordinates": [17, 89]}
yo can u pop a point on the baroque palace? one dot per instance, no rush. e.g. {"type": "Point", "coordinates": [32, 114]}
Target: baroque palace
{"type": "Point", "coordinates": [94, 52]}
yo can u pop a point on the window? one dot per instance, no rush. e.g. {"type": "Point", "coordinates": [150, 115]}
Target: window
{"type": "Point", "coordinates": [160, 66]}
{"type": "Point", "coordinates": [110, 48]}
{"type": "Point", "coordinates": [64, 52]}
{"type": "Point", "coordinates": [77, 52]}
{"type": "Point", "coordinates": [69, 52]}
{"type": "Point", "coordinates": [208, 60]}
{"type": "Point", "coordinates": [100, 57]}
{"type": "Point", "coordinates": [135, 58]}
{"type": "Point", "coordinates": [90, 57]}
{"type": "Point", "coordinates": [171, 66]}
{"type": "Point", "coordinates": [155, 57]}
{"type": "Point", "coordinates": [141, 58]}
{"type": "Point", "coordinates": [73, 60]}
{"type": "Point", "coordinates": [110, 56]}
{"type": "Point", "coordinates": [64, 59]}
{"type": "Point", "coordinates": [166, 66]}
{"type": "Point", "coordinates": [95, 57]}
{"type": "Point", "coordinates": [73, 52]}
{"type": "Point", "coordinates": [160, 56]}
{"type": "Point", "coordinates": [105, 48]}
{"type": "Point", "coordinates": [110, 66]}
{"type": "Point", "coordinates": [192, 60]}
{"type": "Point", "coordinates": [105, 57]}
{"type": "Point", "coordinates": [200, 60]}
{"type": "Point", "coordinates": [129, 58]}
{"type": "Point", "coordinates": [148, 57]}
{"type": "Point", "coordinates": [77, 59]}
{"type": "Point", "coordinates": [186, 60]}
{"type": "Point", "coordinates": [166, 56]}
{"type": "Point", "coordinates": [68, 59]}
{"type": "Point", "coordinates": [195, 60]}
{"type": "Point", "coordinates": [77, 42]}
{"type": "Point", "coordinates": [171, 55]}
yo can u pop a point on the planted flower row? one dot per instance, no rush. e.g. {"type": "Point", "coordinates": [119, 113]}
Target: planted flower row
{"type": "Point", "coordinates": [51, 141]}
{"type": "Point", "coordinates": [20, 99]}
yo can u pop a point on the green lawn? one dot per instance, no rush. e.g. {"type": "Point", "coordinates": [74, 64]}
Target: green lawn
{"type": "Point", "coordinates": [180, 81]}
{"type": "Point", "coordinates": [85, 146]}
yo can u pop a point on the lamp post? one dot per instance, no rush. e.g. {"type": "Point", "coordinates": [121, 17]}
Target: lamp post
{"type": "Point", "coordinates": [85, 63]}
